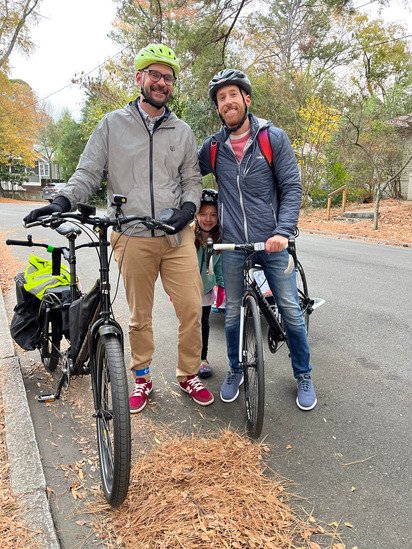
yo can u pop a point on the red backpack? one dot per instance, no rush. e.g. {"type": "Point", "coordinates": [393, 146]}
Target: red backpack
{"type": "Point", "coordinates": [264, 146]}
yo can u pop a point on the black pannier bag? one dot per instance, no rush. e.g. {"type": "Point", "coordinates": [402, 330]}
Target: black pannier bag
{"type": "Point", "coordinates": [25, 326]}
{"type": "Point", "coordinates": [81, 313]}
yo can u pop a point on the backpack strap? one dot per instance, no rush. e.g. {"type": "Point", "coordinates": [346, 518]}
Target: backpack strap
{"type": "Point", "coordinates": [214, 145]}
{"type": "Point", "coordinates": [265, 146]}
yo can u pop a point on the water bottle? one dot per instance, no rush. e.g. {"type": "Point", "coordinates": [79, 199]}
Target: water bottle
{"type": "Point", "coordinates": [175, 239]}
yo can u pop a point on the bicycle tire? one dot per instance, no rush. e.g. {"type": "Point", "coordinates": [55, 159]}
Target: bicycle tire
{"type": "Point", "coordinates": [112, 419]}
{"type": "Point", "coordinates": [303, 294]}
{"type": "Point", "coordinates": [50, 343]}
{"type": "Point", "coordinates": [253, 368]}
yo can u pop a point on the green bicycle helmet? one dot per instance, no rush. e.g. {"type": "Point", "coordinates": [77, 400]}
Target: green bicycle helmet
{"type": "Point", "coordinates": [156, 53]}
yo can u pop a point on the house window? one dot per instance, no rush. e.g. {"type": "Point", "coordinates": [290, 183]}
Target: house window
{"type": "Point", "coordinates": [44, 169]}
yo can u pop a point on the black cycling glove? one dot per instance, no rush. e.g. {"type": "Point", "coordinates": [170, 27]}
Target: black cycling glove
{"type": "Point", "coordinates": [59, 204]}
{"type": "Point", "coordinates": [182, 217]}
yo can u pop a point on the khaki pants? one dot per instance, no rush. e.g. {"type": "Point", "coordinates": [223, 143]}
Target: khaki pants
{"type": "Point", "coordinates": [141, 260]}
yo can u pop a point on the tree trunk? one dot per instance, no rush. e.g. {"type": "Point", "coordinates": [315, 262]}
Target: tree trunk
{"type": "Point", "coordinates": [378, 197]}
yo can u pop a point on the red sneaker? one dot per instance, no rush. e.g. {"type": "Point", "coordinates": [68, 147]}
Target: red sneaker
{"type": "Point", "coordinates": [138, 397]}
{"type": "Point", "coordinates": [199, 394]}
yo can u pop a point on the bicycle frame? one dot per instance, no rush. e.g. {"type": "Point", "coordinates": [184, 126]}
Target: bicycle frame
{"type": "Point", "coordinates": [97, 346]}
{"type": "Point", "coordinates": [252, 287]}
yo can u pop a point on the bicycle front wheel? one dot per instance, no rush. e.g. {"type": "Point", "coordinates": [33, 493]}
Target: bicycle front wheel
{"type": "Point", "coordinates": [303, 294]}
{"type": "Point", "coordinates": [112, 419]}
{"type": "Point", "coordinates": [253, 367]}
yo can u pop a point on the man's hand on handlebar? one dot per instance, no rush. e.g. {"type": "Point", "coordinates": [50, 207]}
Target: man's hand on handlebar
{"type": "Point", "coordinates": [276, 243]}
{"type": "Point", "coordinates": [182, 217]}
{"type": "Point", "coordinates": [59, 204]}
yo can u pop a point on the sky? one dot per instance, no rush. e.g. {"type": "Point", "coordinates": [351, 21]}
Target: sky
{"type": "Point", "coordinates": [72, 37]}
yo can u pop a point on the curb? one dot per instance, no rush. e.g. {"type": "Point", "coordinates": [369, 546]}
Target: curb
{"type": "Point", "coordinates": [27, 476]}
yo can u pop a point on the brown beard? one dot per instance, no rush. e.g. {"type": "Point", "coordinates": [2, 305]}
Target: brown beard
{"type": "Point", "coordinates": [153, 87]}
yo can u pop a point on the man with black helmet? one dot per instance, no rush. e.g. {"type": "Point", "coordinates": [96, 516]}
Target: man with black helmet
{"type": "Point", "coordinates": [259, 200]}
{"type": "Point", "coordinates": [150, 156]}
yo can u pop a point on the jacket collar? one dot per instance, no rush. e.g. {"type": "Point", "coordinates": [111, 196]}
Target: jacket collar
{"type": "Point", "coordinates": [133, 108]}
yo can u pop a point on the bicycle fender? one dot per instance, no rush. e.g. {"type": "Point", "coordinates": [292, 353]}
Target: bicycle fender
{"type": "Point", "coordinates": [108, 329]}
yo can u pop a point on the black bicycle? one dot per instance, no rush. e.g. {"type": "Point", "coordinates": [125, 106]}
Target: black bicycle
{"type": "Point", "coordinates": [254, 305]}
{"type": "Point", "coordinates": [96, 340]}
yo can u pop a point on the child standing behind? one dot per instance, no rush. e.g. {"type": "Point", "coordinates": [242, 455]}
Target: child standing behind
{"type": "Point", "coordinates": [207, 226]}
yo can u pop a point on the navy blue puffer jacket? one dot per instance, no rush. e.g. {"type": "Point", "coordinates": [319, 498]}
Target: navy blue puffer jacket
{"type": "Point", "coordinates": [255, 200]}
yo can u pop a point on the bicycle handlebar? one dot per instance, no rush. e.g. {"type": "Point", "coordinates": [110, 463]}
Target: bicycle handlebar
{"type": "Point", "coordinates": [29, 242]}
{"type": "Point", "coordinates": [248, 247]}
{"type": "Point", "coordinates": [58, 218]}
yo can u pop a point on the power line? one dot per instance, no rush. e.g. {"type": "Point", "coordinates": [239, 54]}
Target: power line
{"type": "Point", "coordinates": [79, 78]}
{"type": "Point", "coordinates": [391, 40]}
{"type": "Point", "coordinates": [363, 5]}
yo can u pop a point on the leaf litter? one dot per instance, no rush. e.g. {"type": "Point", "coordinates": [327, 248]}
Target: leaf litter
{"type": "Point", "coordinates": [205, 492]}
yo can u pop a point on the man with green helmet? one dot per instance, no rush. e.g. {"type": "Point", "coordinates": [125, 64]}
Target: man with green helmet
{"type": "Point", "coordinates": [149, 155]}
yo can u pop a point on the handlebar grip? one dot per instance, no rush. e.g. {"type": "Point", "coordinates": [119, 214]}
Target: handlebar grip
{"type": "Point", "coordinates": [224, 246]}
{"type": "Point", "coordinates": [11, 242]}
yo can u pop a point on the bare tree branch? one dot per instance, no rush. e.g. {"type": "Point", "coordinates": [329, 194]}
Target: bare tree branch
{"type": "Point", "coordinates": [28, 8]}
{"type": "Point", "coordinates": [230, 30]}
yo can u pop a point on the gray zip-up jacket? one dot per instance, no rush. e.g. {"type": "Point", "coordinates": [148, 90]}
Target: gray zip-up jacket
{"type": "Point", "coordinates": [154, 171]}
{"type": "Point", "coordinates": [255, 200]}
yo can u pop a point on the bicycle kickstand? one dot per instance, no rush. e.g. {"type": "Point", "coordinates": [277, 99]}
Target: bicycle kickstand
{"type": "Point", "coordinates": [51, 397]}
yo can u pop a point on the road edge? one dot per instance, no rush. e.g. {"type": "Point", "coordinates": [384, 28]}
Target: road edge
{"type": "Point", "coordinates": [26, 471]}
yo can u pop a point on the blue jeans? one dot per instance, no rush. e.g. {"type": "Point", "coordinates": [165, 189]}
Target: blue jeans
{"type": "Point", "coordinates": [284, 289]}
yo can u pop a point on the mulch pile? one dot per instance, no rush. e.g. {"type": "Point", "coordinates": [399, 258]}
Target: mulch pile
{"type": "Point", "coordinates": [192, 492]}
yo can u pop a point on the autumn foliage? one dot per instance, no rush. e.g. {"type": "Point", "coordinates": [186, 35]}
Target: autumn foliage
{"type": "Point", "coordinates": [19, 121]}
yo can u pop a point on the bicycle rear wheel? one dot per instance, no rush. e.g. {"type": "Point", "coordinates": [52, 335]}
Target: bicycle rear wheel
{"type": "Point", "coordinates": [303, 294]}
{"type": "Point", "coordinates": [51, 338]}
{"type": "Point", "coordinates": [253, 367]}
{"type": "Point", "coordinates": [112, 419]}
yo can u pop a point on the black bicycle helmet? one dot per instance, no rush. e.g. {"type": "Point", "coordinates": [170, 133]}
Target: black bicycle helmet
{"type": "Point", "coordinates": [227, 77]}
{"type": "Point", "coordinates": [209, 196]}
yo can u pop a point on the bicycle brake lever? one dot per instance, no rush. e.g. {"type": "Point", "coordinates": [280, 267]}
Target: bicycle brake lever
{"type": "Point", "coordinates": [39, 221]}
{"type": "Point", "coordinates": [209, 256]}
{"type": "Point", "coordinates": [293, 260]}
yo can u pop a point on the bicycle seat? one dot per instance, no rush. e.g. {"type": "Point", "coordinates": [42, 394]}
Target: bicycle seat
{"type": "Point", "coordinates": [66, 229]}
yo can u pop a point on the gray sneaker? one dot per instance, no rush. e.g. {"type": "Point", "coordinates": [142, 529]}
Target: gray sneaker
{"type": "Point", "coordinates": [306, 399]}
{"type": "Point", "coordinates": [229, 391]}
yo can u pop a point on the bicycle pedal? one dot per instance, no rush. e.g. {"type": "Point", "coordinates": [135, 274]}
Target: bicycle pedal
{"type": "Point", "coordinates": [46, 398]}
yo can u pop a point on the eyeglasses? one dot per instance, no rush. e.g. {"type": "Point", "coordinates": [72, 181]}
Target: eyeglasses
{"type": "Point", "coordinates": [156, 76]}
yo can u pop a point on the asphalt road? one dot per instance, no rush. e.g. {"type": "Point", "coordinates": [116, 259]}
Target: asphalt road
{"type": "Point", "coordinates": [349, 458]}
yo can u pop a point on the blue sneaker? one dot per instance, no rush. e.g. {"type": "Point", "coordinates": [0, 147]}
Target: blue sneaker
{"type": "Point", "coordinates": [229, 391]}
{"type": "Point", "coordinates": [306, 399]}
